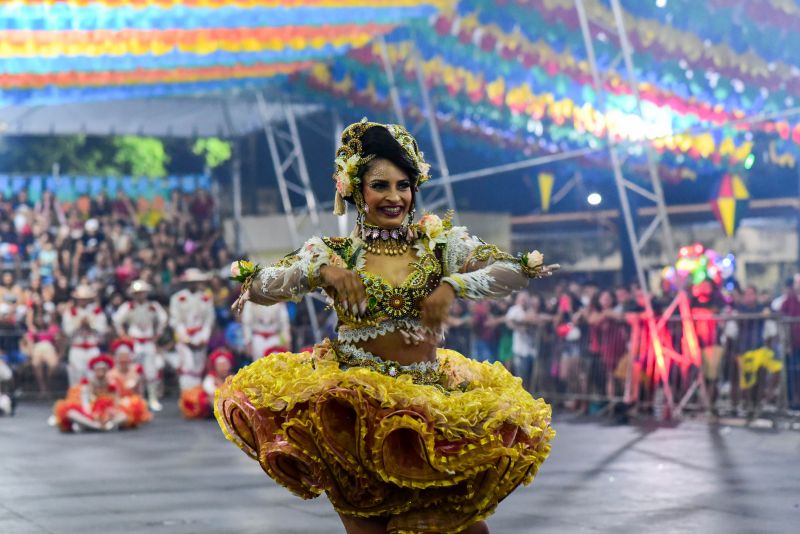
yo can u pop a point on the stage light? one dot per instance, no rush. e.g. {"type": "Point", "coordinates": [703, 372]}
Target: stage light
{"type": "Point", "coordinates": [661, 3]}
{"type": "Point", "coordinates": [750, 161]}
{"type": "Point", "coordinates": [594, 199]}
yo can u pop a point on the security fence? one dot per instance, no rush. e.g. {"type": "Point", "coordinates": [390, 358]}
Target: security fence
{"type": "Point", "coordinates": [743, 365]}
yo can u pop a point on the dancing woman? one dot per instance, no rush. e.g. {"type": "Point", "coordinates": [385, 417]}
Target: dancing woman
{"type": "Point", "coordinates": [402, 436]}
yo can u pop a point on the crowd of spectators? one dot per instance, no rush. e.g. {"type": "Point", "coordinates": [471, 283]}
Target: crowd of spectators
{"type": "Point", "coordinates": [572, 341]}
{"type": "Point", "coordinates": [47, 248]}
{"type": "Point", "coordinates": [577, 342]}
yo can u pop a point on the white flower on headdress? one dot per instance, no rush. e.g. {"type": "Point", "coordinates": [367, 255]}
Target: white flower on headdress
{"type": "Point", "coordinates": [433, 228]}
{"type": "Point", "coordinates": [347, 170]}
{"type": "Point", "coordinates": [424, 168]}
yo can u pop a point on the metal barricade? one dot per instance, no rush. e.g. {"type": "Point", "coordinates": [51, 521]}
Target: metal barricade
{"type": "Point", "coordinates": [740, 365]}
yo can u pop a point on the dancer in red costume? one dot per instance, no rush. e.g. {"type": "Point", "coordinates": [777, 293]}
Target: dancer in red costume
{"type": "Point", "coordinates": [94, 404]}
{"type": "Point", "coordinates": [197, 402]}
{"type": "Point", "coordinates": [128, 377]}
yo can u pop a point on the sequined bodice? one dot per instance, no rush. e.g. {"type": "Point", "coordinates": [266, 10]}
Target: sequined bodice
{"type": "Point", "coordinates": [386, 301]}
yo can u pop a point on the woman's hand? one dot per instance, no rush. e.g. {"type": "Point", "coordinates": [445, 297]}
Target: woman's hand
{"type": "Point", "coordinates": [436, 308]}
{"type": "Point", "coordinates": [347, 286]}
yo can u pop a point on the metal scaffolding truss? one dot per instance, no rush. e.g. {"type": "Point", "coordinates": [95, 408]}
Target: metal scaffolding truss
{"type": "Point", "coordinates": [438, 192]}
{"type": "Point", "coordinates": [627, 188]}
{"type": "Point", "coordinates": [294, 184]}
{"type": "Point", "coordinates": [652, 192]}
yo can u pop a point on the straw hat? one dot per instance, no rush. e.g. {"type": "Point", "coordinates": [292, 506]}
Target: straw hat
{"type": "Point", "coordinates": [84, 292]}
{"type": "Point", "coordinates": [193, 274]}
{"type": "Point", "coordinates": [140, 286]}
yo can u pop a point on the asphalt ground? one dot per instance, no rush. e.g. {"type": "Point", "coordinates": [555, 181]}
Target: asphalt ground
{"type": "Point", "coordinates": [177, 476]}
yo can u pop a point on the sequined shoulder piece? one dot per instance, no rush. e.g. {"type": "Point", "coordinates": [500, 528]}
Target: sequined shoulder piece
{"type": "Point", "coordinates": [340, 245]}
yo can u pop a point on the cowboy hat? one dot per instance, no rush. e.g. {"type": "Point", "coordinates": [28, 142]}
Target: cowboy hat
{"type": "Point", "coordinates": [140, 286]}
{"type": "Point", "coordinates": [84, 292]}
{"type": "Point", "coordinates": [193, 274]}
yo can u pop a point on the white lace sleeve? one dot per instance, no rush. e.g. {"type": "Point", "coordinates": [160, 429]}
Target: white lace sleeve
{"type": "Point", "coordinates": [478, 270]}
{"type": "Point", "coordinates": [291, 277]}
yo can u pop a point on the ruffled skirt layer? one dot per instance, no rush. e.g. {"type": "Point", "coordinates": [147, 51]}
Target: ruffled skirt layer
{"type": "Point", "coordinates": [428, 459]}
{"type": "Point", "coordinates": [135, 409]}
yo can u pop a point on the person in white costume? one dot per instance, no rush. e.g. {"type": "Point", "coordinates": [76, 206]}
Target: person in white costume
{"type": "Point", "coordinates": [191, 316]}
{"type": "Point", "coordinates": [143, 321]}
{"type": "Point", "coordinates": [265, 329]}
{"type": "Point", "coordinates": [85, 324]}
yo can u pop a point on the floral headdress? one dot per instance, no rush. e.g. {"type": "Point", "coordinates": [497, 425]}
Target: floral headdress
{"type": "Point", "coordinates": [350, 159]}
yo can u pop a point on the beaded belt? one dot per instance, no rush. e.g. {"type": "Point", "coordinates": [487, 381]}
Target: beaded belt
{"type": "Point", "coordinates": [424, 373]}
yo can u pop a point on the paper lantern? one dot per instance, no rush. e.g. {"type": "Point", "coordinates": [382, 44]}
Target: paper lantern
{"type": "Point", "coordinates": [729, 202]}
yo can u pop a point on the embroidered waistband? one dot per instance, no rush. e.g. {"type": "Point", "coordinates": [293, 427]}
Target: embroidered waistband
{"type": "Point", "coordinates": [353, 334]}
{"type": "Point", "coordinates": [426, 373]}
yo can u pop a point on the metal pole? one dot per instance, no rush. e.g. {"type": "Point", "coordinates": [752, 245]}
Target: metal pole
{"type": "Point", "coordinates": [283, 189]}
{"type": "Point", "coordinates": [236, 162]}
{"type": "Point", "coordinates": [444, 180]}
{"type": "Point", "coordinates": [302, 170]}
{"type": "Point", "coordinates": [651, 160]}
{"type": "Point", "coordinates": [524, 164]}
{"type": "Point", "coordinates": [393, 93]}
{"type": "Point", "coordinates": [620, 181]}
{"type": "Point", "coordinates": [283, 186]}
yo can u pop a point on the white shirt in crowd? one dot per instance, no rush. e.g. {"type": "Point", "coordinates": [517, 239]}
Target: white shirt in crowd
{"type": "Point", "coordinates": [522, 342]}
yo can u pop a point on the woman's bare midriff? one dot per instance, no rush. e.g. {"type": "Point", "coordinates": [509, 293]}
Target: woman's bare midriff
{"type": "Point", "coordinates": [393, 347]}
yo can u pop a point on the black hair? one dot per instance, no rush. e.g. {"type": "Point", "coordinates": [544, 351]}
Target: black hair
{"type": "Point", "coordinates": [380, 143]}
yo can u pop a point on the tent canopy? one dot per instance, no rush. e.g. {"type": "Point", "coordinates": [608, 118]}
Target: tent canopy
{"type": "Point", "coordinates": [74, 50]}
{"type": "Point", "coordinates": [203, 116]}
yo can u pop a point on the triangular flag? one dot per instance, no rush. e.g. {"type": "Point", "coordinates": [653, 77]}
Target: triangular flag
{"type": "Point", "coordinates": [739, 189]}
{"type": "Point", "coordinates": [546, 180]}
{"type": "Point", "coordinates": [727, 214]}
{"type": "Point", "coordinates": [725, 188]}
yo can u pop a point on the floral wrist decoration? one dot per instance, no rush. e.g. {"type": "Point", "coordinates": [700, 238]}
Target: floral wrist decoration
{"type": "Point", "coordinates": [243, 270]}
{"type": "Point", "coordinates": [532, 264]}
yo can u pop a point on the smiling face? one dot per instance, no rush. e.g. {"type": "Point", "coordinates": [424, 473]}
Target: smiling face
{"type": "Point", "coordinates": [387, 193]}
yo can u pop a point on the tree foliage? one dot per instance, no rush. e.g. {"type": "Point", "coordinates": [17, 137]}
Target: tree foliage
{"type": "Point", "coordinates": [141, 156]}
{"type": "Point", "coordinates": [215, 151]}
{"type": "Point", "coordinates": [84, 155]}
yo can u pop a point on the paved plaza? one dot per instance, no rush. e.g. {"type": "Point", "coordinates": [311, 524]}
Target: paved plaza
{"type": "Point", "coordinates": [177, 476]}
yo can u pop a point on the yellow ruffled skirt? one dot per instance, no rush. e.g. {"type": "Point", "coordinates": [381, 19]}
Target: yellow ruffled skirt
{"type": "Point", "coordinates": [428, 459]}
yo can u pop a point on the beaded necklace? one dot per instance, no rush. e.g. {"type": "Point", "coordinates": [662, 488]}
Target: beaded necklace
{"type": "Point", "coordinates": [378, 240]}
